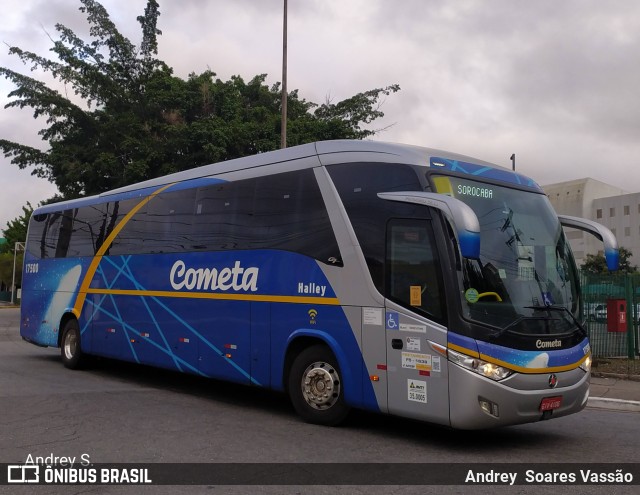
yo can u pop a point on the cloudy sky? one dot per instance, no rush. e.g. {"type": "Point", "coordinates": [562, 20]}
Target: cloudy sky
{"type": "Point", "coordinates": [555, 82]}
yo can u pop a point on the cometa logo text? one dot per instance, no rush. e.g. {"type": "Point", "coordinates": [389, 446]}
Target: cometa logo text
{"type": "Point", "coordinates": [236, 278]}
{"type": "Point", "coordinates": [548, 344]}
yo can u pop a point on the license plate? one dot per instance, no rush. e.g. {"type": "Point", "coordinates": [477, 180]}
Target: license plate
{"type": "Point", "coordinates": [550, 403]}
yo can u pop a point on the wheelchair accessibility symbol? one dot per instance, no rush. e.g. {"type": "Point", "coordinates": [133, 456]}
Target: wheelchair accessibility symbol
{"type": "Point", "coordinates": [393, 320]}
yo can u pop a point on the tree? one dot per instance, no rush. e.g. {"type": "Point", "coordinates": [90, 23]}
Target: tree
{"type": "Point", "coordinates": [131, 119]}
{"type": "Point", "coordinates": [16, 230]}
{"type": "Point", "coordinates": [596, 263]}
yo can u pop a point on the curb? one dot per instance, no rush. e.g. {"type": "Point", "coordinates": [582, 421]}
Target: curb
{"type": "Point", "coordinates": [619, 376]}
{"type": "Point", "coordinates": [614, 404]}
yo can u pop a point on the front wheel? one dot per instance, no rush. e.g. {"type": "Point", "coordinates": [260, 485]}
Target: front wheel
{"type": "Point", "coordinates": [70, 349]}
{"type": "Point", "coordinates": [315, 387]}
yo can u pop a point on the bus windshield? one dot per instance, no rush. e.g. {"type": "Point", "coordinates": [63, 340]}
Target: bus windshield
{"type": "Point", "coordinates": [525, 280]}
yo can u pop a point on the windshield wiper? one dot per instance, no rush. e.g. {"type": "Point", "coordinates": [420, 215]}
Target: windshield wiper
{"type": "Point", "coordinates": [520, 319]}
{"type": "Point", "coordinates": [562, 309]}
{"type": "Point", "coordinates": [514, 323]}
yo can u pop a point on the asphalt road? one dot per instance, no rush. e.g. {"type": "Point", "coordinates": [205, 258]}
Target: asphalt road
{"type": "Point", "coordinates": [117, 412]}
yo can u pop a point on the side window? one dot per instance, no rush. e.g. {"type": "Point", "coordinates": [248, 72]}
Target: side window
{"type": "Point", "coordinates": [224, 216]}
{"type": "Point", "coordinates": [36, 235]}
{"type": "Point", "coordinates": [64, 234]}
{"type": "Point", "coordinates": [358, 185]}
{"type": "Point", "coordinates": [88, 223]}
{"type": "Point", "coordinates": [167, 222]}
{"type": "Point", "coordinates": [130, 239]}
{"type": "Point", "coordinates": [414, 279]}
{"type": "Point", "coordinates": [50, 234]}
{"type": "Point", "coordinates": [290, 214]}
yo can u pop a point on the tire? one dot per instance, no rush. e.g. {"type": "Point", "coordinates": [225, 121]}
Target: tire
{"type": "Point", "coordinates": [70, 349]}
{"type": "Point", "coordinates": [315, 387]}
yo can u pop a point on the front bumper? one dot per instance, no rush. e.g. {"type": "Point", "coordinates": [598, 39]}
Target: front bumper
{"type": "Point", "coordinates": [518, 398]}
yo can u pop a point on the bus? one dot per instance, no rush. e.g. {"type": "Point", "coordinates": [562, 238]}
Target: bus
{"type": "Point", "coordinates": [347, 274]}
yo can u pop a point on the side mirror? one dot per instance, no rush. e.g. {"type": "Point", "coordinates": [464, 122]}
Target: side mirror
{"type": "Point", "coordinates": [611, 253]}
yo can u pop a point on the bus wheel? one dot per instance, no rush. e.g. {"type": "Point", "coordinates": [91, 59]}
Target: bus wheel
{"type": "Point", "coordinates": [315, 387]}
{"type": "Point", "coordinates": [70, 349]}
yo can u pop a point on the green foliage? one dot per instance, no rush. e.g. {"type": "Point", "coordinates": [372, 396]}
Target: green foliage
{"type": "Point", "coordinates": [596, 263]}
{"type": "Point", "coordinates": [6, 270]}
{"type": "Point", "coordinates": [136, 120]}
{"type": "Point", "coordinates": [16, 230]}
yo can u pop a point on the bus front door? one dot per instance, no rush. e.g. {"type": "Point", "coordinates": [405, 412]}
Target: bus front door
{"type": "Point", "coordinates": [416, 337]}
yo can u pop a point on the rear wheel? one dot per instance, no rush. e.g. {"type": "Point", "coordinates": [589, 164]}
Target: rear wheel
{"type": "Point", "coordinates": [315, 387]}
{"type": "Point", "coordinates": [70, 349]}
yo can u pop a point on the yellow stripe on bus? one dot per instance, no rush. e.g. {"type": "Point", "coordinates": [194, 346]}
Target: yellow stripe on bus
{"type": "Point", "coordinates": [218, 295]}
{"type": "Point", "coordinates": [519, 369]}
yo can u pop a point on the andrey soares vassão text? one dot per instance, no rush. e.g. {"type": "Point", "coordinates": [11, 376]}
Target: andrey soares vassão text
{"type": "Point", "coordinates": [587, 476]}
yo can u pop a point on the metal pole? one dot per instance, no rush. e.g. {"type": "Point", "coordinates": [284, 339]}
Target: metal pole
{"type": "Point", "coordinates": [13, 282]}
{"type": "Point", "coordinates": [283, 125]}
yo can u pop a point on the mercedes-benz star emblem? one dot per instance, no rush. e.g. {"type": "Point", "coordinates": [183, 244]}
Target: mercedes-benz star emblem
{"type": "Point", "coordinates": [553, 380]}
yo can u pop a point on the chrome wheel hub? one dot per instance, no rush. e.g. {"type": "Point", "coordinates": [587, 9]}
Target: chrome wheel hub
{"type": "Point", "coordinates": [320, 385]}
{"type": "Point", "coordinates": [70, 345]}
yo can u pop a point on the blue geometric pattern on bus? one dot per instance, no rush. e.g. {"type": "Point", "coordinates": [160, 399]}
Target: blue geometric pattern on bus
{"type": "Point", "coordinates": [220, 332]}
{"type": "Point", "coordinates": [264, 272]}
{"type": "Point", "coordinates": [498, 174]}
{"type": "Point", "coordinates": [118, 310]}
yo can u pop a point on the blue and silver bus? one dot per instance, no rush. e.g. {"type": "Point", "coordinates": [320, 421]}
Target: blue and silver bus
{"type": "Point", "coordinates": [348, 274]}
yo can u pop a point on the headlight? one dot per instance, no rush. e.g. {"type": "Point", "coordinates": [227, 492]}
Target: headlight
{"type": "Point", "coordinates": [586, 364]}
{"type": "Point", "coordinates": [479, 366]}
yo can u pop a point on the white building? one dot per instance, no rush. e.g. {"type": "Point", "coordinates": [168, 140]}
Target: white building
{"type": "Point", "coordinates": [604, 203]}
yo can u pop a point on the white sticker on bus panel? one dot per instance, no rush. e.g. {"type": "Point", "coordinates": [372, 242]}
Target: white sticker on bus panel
{"type": "Point", "coordinates": [413, 344]}
{"type": "Point", "coordinates": [436, 364]}
{"type": "Point", "coordinates": [372, 316]}
{"type": "Point", "coordinates": [407, 327]}
{"type": "Point", "coordinates": [417, 391]}
{"type": "Point", "coordinates": [415, 361]}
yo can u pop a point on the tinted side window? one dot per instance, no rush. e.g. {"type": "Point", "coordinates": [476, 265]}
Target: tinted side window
{"type": "Point", "coordinates": [50, 234]}
{"type": "Point", "coordinates": [168, 222]}
{"type": "Point", "coordinates": [224, 216]}
{"type": "Point", "coordinates": [130, 239]}
{"type": "Point", "coordinates": [290, 214]}
{"type": "Point", "coordinates": [86, 224]}
{"type": "Point", "coordinates": [284, 211]}
{"type": "Point", "coordinates": [358, 185]}
{"type": "Point", "coordinates": [64, 233]}
{"type": "Point", "coordinates": [36, 234]}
